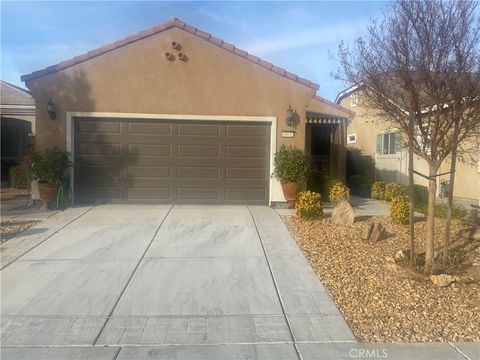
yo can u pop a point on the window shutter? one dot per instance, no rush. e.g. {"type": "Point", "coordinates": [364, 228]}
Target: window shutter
{"type": "Point", "coordinates": [398, 141]}
{"type": "Point", "coordinates": [379, 144]}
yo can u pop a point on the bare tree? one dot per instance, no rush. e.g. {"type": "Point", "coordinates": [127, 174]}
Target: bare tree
{"type": "Point", "coordinates": [422, 63]}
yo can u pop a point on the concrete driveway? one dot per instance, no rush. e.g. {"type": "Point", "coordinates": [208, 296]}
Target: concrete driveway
{"type": "Point", "coordinates": [166, 282]}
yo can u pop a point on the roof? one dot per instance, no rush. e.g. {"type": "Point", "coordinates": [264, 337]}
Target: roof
{"type": "Point", "coordinates": [346, 92]}
{"type": "Point", "coordinates": [333, 105]}
{"type": "Point", "coordinates": [14, 95]}
{"type": "Point", "coordinates": [173, 23]}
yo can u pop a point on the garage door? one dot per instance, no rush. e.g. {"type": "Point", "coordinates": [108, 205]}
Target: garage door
{"type": "Point", "coordinates": [169, 161]}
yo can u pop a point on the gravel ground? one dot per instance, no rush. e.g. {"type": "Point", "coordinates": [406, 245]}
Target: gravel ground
{"type": "Point", "coordinates": [379, 305]}
{"type": "Point", "coordinates": [9, 229]}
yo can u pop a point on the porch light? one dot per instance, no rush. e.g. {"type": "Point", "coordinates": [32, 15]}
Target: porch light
{"type": "Point", "coordinates": [289, 118]}
{"type": "Point", "coordinates": [51, 109]}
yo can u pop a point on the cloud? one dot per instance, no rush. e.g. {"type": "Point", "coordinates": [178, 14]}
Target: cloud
{"type": "Point", "coordinates": [313, 36]}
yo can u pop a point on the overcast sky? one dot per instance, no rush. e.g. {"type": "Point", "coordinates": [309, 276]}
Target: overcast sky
{"type": "Point", "coordinates": [298, 36]}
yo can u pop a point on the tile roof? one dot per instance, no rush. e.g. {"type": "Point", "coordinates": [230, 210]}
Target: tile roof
{"type": "Point", "coordinates": [13, 95]}
{"type": "Point", "coordinates": [165, 26]}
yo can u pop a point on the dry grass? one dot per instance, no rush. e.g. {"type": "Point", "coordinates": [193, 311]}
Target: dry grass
{"type": "Point", "coordinates": [379, 305]}
{"type": "Point", "coordinates": [9, 229]}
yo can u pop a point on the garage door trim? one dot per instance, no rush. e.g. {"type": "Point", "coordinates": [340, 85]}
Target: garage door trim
{"type": "Point", "coordinates": [173, 117]}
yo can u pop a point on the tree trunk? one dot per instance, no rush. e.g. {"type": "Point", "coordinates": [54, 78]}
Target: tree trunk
{"type": "Point", "coordinates": [430, 225]}
{"type": "Point", "coordinates": [453, 164]}
{"type": "Point", "coordinates": [410, 191]}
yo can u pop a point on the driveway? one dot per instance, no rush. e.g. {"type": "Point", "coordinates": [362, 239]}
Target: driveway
{"type": "Point", "coordinates": [167, 282]}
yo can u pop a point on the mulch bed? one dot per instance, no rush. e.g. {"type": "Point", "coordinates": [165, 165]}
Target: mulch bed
{"type": "Point", "coordinates": [10, 228]}
{"type": "Point", "coordinates": [379, 305]}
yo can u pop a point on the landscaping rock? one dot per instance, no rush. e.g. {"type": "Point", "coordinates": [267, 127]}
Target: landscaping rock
{"type": "Point", "coordinates": [473, 218]}
{"type": "Point", "coordinates": [402, 255]}
{"type": "Point", "coordinates": [343, 213]}
{"type": "Point", "coordinates": [378, 233]}
{"type": "Point", "coordinates": [473, 233]}
{"type": "Point", "coordinates": [367, 231]}
{"type": "Point", "coordinates": [442, 280]}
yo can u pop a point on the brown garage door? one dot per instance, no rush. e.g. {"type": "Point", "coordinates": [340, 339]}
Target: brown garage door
{"type": "Point", "coordinates": [165, 161]}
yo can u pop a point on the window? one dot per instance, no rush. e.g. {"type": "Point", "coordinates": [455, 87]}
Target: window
{"type": "Point", "coordinates": [353, 100]}
{"type": "Point", "coordinates": [389, 143]}
{"type": "Point", "coordinates": [351, 138]}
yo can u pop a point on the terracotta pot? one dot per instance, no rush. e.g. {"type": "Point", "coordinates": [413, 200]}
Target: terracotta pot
{"type": "Point", "coordinates": [290, 191]}
{"type": "Point", "coordinates": [48, 192]}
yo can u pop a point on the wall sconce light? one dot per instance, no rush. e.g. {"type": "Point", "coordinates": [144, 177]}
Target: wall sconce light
{"type": "Point", "coordinates": [290, 117]}
{"type": "Point", "coordinates": [51, 109]}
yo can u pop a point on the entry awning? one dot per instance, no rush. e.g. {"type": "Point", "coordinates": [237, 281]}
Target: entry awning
{"type": "Point", "coordinates": [320, 118]}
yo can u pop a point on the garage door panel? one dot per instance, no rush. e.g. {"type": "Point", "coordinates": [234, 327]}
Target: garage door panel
{"type": "Point", "coordinates": [150, 194]}
{"type": "Point", "coordinates": [244, 152]}
{"type": "Point", "coordinates": [149, 128]}
{"type": "Point", "coordinates": [236, 194]}
{"type": "Point", "coordinates": [247, 130]}
{"type": "Point", "coordinates": [245, 173]}
{"type": "Point", "coordinates": [202, 130]}
{"type": "Point", "coordinates": [198, 151]}
{"type": "Point", "coordinates": [198, 193]}
{"type": "Point", "coordinates": [150, 171]}
{"type": "Point", "coordinates": [149, 149]}
{"type": "Point", "coordinates": [195, 172]}
{"type": "Point", "coordinates": [172, 161]}
{"type": "Point", "coordinates": [100, 126]}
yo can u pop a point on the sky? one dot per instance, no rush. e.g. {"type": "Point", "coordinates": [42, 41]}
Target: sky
{"type": "Point", "coordinates": [301, 37]}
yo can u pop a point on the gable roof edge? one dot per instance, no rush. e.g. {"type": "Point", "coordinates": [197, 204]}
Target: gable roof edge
{"type": "Point", "coordinates": [173, 23]}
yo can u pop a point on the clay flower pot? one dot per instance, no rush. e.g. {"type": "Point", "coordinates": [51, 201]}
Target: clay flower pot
{"type": "Point", "coordinates": [290, 191]}
{"type": "Point", "coordinates": [48, 193]}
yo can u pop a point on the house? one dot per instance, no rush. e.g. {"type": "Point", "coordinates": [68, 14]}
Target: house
{"type": "Point", "coordinates": [17, 111]}
{"type": "Point", "coordinates": [173, 114]}
{"type": "Point", "coordinates": [374, 149]}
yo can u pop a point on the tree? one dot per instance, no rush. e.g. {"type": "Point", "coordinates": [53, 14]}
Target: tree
{"type": "Point", "coordinates": [422, 63]}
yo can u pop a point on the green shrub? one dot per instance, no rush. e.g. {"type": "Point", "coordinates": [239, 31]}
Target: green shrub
{"type": "Point", "coordinates": [337, 191]}
{"type": "Point", "coordinates": [18, 176]}
{"type": "Point", "coordinates": [291, 165]}
{"type": "Point", "coordinates": [420, 195]}
{"type": "Point", "coordinates": [49, 165]}
{"type": "Point", "coordinates": [321, 184]}
{"type": "Point", "coordinates": [309, 205]}
{"type": "Point", "coordinates": [378, 190]}
{"type": "Point", "coordinates": [394, 189]}
{"type": "Point", "coordinates": [399, 209]}
{"type": "Point", "coordinates": [360, 185]}
{"type": "Point", "coordinates": [457, 212]}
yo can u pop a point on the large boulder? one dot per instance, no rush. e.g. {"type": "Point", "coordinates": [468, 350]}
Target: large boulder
{"type": "Point", "coordinates": [378, 232]}
{"type": "Point", "coordinates": [442, 280]}
{"type": "Point", "coordinates": [343, 213]}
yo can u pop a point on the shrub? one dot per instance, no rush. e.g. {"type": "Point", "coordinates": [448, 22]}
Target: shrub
{"type": "Point", "coordinates": [291, 165]}
{"type": "Point", "coordinates": [360, 185]}
{"type": "Point", "coordinates": [420, 195]}
{"type": "Point", "coordinates": [321, 184]}
{"type": "Point", "coordinates": [19, 175]}
{"type": "Point", "coordinates": [378, 190]}
{"type": "Point", "coordinates": [49, 165]}
{"type": "Point", "coordinates": [457, 212]}
{"type": "Point", "coordinates": [399, 209]}
{"type": "Point", "coordinates": [337, 191]}
{"type": "Point", "coordinates": [309, 205]}
{"type": "Point", "coordinates": [394, 189]}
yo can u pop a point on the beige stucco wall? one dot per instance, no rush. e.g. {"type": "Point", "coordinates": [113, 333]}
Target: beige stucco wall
{"type": "Point", "coordinates": [137, 79]}
{"type": "Point", "coordinates": [366, 124]}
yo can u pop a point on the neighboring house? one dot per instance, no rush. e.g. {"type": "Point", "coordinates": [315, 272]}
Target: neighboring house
{"type": "Point", "coordinates": [174, 114]}
{"type": "Point", "coordinates": [17, 110]}
{"type": "Point", "coordinates": [374, 149]}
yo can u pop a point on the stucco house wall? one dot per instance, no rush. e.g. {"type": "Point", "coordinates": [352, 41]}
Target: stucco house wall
{"type": "Point", "coordinates": [367, 124]}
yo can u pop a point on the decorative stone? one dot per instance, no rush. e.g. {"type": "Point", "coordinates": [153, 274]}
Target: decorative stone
{"type": "Point", "coordinates": [378, 232]}
{"type": "Point", "coordinates": [367, 231]}
{"type": "Point", "coordinates": [473, 218]}
{"type": "Point", "coordinates": [343, 213]}
{"type": "Point", "coordinates": [442, 280]}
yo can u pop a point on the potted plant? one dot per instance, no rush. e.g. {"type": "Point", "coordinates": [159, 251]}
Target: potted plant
{"type": "Point", "coordinates": [48, 168]}
{"type": "Point", "coordinates": [291, 168]}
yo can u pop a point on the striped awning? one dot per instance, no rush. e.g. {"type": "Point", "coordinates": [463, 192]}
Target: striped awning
{"type": "Point", "coordinates": [319, 118]}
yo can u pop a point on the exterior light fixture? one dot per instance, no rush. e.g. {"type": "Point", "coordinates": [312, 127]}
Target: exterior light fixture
{"type": "Point", "coordinates": [290, 117]}
{"type": "Point", "coordinates": [51, 109]}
